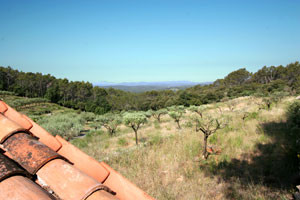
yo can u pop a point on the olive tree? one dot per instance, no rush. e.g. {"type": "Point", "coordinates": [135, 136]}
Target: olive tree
{"type": "Point", "coordinates": [158, 113]}
{"type": "Point", "coordinates": [109, 121]}
{"type": "Point", "coordinates": [135, 120]}
{"type": "Point", "coordinates": [149, 113]}
{"type": "Point", "coordinates": [197, 109]}
{"type": "Point", "coordinates": [208, 126]}
{"type": "Point", "coordinates": [176, 112]}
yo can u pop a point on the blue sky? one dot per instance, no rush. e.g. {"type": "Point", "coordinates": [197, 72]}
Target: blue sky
{"type": "Point", "coordinates": [147, 40]}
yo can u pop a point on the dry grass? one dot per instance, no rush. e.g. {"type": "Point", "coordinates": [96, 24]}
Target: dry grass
{"type": "Point", "coordinates": [167, 163]}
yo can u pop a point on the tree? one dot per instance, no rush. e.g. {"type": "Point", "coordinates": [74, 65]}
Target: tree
{"type": "Point", "coordinates": [110, 122]}
{"type": "Point", "coordinates": [135, 120]}
{"type": "Point", "coordinates": [198, 109]}
{"type": "Point", "coordinates": [176, 113]}
{"type": "Point", "coordinates": [208, 126]}
{"type": "Point", "coordinates": [149, 113]}
{"type": "Point", "coordinates": [157, 114]}
{"type": "Point", "coordinates": [237, 77]}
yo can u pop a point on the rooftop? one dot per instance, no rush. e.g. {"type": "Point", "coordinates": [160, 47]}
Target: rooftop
{"type": "Point", "coordinates": [36, 165]}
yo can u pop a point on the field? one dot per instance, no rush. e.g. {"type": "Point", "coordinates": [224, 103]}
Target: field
{"type": "Point", "coordinates": [255, 159]}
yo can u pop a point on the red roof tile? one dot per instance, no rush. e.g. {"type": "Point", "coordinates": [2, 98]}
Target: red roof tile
{"type": "Point", "coordinates": [58, 167]}
{"type": "Point", "coordinates": [33, 154]}
{"type": "Point", "coordinates": [21, 188]}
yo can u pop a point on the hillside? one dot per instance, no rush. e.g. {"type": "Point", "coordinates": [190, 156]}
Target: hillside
{"type": "Point", "coordinates": [255, 161]}
{"type": "Point", "coordinates": [87, 97]}
{"type": "Point", "coordinates": [139, 87]}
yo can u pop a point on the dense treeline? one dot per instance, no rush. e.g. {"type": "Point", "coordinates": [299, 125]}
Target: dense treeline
{"type": "Point", "coordinates": [82, 95]}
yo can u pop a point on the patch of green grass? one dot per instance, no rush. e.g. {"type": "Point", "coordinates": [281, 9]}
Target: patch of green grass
{"type": "Point", "coordinates": [155, 140]}
{"type": "Point", "coordinates": [238, 142]}
{"type": "Point", "coordinates": [122, 142]}
{"type": "Point", "coordinates": [252, 115]}
{"type": "Point", "coordinates": [192, 149]}
{"type": "Point", "coordinates": [188, 124]}
{"type": "Point", "coordinates": [213, 139]}
{"type": "Point", "coordinates": [156, 125]}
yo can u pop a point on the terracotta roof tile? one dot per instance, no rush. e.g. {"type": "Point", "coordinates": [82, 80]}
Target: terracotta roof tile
{"type": "Point", "coordinates": [80, 178]}
{"type": "Point", "coordinates": [82, 161]}
{"type": "Point", "coordinates": [8, 168]}
{"type": "Point", "coordinates": [14, 183]}
{"type": "Point", "coordinates": [21, 188]}
{"type": "Point", "coordinates": [44, 136]}
{"type": "Point", "coordinates": [8, 127]}
{"type": "Point", "coordinates": [3, 107]}
{"type": "Point", "coordinates": [33, 154]}
{"type": "Point", "coordinates": [17, 117]}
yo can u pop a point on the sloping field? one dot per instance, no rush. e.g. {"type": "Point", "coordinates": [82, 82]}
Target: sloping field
{"type": "Point", "coordinates": [256, 159]}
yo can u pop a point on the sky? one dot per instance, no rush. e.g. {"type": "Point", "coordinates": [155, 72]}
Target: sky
{"type": "Point", "coordinates": [147, 40]}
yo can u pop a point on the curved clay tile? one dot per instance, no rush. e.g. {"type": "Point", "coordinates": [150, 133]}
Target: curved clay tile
{"type": "Point", "coordinates": [21, 188]}
{"type": "Point", "coordinates": [67, 181]}
{"type": "Point", "coordinates": [8, 168]}
{"type": "Point", "coordinates": [44, 136]}
{"type": "Point", "coordinates": [3, 107]}
{"type": "Point", "coordinates": [17, 117]}
{"type": "Point", "coordinates": [101, 195]}
{"type": "Point", "coordinates": [28, 152]}
{"type": "Point", "coordinates": [14, 186]}
{"type": "Point", "coordinates": [8, 127]}
{"type": "Point", "coordinates": [82, 161]}
{"type": "Point", "coordinates": [81, 181]}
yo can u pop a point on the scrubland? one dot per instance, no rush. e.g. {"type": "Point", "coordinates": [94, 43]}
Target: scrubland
{"type": "Point", "coordinates": [256, 159]}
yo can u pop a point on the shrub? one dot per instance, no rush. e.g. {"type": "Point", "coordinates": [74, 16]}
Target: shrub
{"type": "Point", "coordinates": [66, 125]}
{"type": "Point", "coordinates": [293, 114]}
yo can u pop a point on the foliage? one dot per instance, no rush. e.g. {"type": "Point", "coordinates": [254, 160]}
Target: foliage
{"type": "Point", "coordinates": [135, 120]}
{"type": "Point", "coordinates": [208, 126]}
{"type": "Point", "coordinates": [293, 114]}
{"type": "Point", "coordinates": [157, 114]}
{"type": "Point", "coordinates": [176, 112]}
{"type": "Point", "coordinates": [67, 125]}
{"type": "Point", "coordinates": [86, 97]}
{"type": "Point", "coordinates": [109, 121]}
{"type": "Point", "coordinates": [198, 109]}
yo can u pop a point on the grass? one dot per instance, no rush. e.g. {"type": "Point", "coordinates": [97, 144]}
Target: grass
{"type": "Point", "coordinates": [255, 160]}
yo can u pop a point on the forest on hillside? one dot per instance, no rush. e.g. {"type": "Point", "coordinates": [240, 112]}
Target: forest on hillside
{"type": "Point", "coordinates": [86, 97]}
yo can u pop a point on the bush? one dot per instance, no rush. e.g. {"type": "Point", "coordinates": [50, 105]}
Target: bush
{"type": "Point", "coordinates": [66, 125]}
{"type": "Point", "coordinates": [293, 114]}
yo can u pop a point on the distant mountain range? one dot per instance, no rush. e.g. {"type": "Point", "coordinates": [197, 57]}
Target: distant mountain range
{"type": "Point", "coordinates": [148, 86]}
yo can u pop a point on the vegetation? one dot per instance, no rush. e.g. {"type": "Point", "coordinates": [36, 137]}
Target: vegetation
{"type": "Point", "coordinates": [110, 122]}
{"type": "Point", "coordinates": [157, 114]}
{"type": "Point", "coordinates": [257, 151]}
{"type": "Point", "coordinates": [198, 109]}
{"type": "Point", "coordinates": [135, 120]}
{"type": "Point", "coordinates": [176, 112]}
{"type": "Point", "coordinates": [68, 125]}
{"type": "Point", "coordinates": [208, 126]}
{"type": "Point", "coordinates": [254, 158]}
{"type": "Point", "coordinates": [86, 97]}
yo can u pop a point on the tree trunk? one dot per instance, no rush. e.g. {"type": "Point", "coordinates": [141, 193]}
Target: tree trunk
{"type": "Point", "coordinates": [205, 154]}
{"type": "Point", "coordinates": [136, 137]}
{"type": "Point", "coordinates": [178, 125]}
